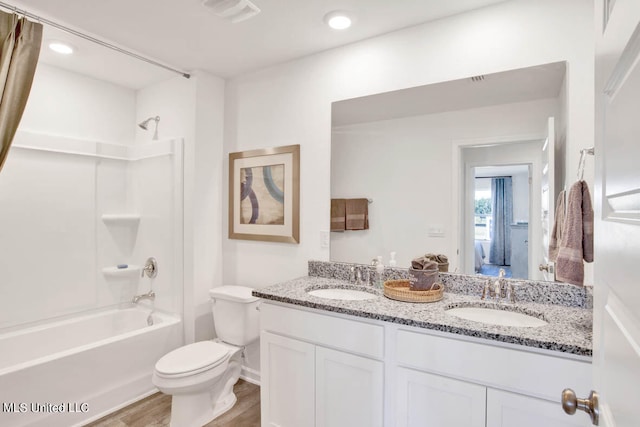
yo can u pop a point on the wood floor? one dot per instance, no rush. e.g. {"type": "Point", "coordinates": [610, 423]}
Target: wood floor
{"type": "Point", "coordinates": [155, 411]}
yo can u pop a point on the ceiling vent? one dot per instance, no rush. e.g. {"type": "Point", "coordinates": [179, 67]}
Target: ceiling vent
{"type": "Point", "coordinates": [477, 78]}
{"type": "Point", "coordinates": [232, 10]}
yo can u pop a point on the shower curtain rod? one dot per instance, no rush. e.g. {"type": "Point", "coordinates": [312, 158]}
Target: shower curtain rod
{"type": "Point", "coordinates": [42, 20]}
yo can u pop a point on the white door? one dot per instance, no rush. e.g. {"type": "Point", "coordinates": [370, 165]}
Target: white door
{"type": "Point", "coordinates": [616, 361]}
{"type": "Point", "coordinates": [548, 201]}
{"type": "Point", "coordinates": [425, 400]}
{"type": "Point", "coordinates": [287, 392]}
{"type": "Point", "coordinates": [349, 390]}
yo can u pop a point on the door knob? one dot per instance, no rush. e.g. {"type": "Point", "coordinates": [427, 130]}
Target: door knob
{"type": "Point", "coordinates": [544, 267]}
{"type": "Point", "coordinates": [570, 404]}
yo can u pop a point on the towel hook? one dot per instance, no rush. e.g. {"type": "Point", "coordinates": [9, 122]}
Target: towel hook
{"type": "Point", "coordinates": [583, 158]}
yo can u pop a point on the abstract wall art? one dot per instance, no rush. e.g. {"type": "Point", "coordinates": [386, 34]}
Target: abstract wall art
{"type": "Point", "coordinates": [264, 191]}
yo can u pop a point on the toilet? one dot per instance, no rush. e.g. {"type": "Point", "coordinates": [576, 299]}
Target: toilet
{"type": "Point", "coordinates": [200, 376]}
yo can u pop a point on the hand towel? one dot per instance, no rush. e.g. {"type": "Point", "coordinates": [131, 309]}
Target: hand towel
{"type": "Point", "coordinates": [423, 263]}
{"type": "Point", "coordinates": [439, 258]}
{"type": "Point", "coordinates": [556, 233]}
{"type": "Point", "coordinates": [338, 215]}
{"type": "Point", "coordinates": [357, 211]}
{"type": "Point", "coordinates": [577, 236]}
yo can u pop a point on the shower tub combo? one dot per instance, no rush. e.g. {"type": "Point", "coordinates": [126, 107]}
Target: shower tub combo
{"type": "Point", "coordinates": [76, 370]}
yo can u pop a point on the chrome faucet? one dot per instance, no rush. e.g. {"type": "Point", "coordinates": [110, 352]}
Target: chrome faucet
{"type": "Point", "coordinates": [510, 294]}
{"type": "Point", "coordinates": [149, 295]}
{"type": "Point", "coordinates": [499, 289]}
{"type": "Point", "coordinates": [359, 275]}
{"type": "Point", "coordinates": [365, 275]}
{"type": "Point", "coordinates": [487, 291]}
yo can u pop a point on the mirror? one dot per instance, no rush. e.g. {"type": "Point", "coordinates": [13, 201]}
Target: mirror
{"type": "Point", "coordinates": [416, 153]}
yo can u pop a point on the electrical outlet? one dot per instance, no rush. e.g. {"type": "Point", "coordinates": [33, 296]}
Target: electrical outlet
{"type": "Point", "coordinates": [325, 239]}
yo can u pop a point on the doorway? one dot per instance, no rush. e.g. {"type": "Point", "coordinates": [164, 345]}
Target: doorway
{"type": "Point", "coordinates": [501, 207]}
{"type": "Point", "coordinates": [514, 168]}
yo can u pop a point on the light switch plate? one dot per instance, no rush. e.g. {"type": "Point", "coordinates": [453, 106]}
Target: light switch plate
{"type": "Point", "coordinates": [325, 239]}
{"type": "Point", "coordinates": [435, 231]}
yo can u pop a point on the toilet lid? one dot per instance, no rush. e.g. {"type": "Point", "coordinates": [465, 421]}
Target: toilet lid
{"type": "Point", "coordinates": [192, 358]}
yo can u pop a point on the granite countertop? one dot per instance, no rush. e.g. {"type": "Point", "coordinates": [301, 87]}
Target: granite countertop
{"type": "Point", "coordinates": [569, 329]}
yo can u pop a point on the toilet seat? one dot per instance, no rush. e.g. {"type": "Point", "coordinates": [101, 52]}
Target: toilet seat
{"type": "Point", "coordinates": [192, 359]}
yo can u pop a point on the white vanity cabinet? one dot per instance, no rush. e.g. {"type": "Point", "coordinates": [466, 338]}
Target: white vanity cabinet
{"type": "Point", "coordinates": [319, 370]}
{"type": "Point", "coordinates": [334, 370]}
{"type": "Point", "coordinates": [517, 388]}
{"type": "Point", "coordinates": [349, 389]}
{"type": "Point", "coordinates": [506, 409]}
{"type": "Point", "coordinates": [288, 385]}
{"type": "Point", "coordinates": [425, 399]}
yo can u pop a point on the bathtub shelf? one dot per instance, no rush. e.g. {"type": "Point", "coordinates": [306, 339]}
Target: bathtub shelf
{"type": "Point", "coordinates": [130, 271]}
{"type": "Point", "coordinates": [121, 219]}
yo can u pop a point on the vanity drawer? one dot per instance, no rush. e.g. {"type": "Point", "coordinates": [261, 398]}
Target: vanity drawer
{"type": "Point", "coordinates": [521, 371]}
{"type": "Point", "coordinates": [335, 331]}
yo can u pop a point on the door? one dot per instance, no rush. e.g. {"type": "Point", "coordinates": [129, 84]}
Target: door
{"type": "Point", "coordinates": [432, 400]}
{"type": "Point", "coordinates": [616, 361]}
{"type": "Point", "coordinates": [349, 390]}
{"type": "Point", "coordinates": [548, 195]}
{"type": "Point", "coordinates": [287, 391]}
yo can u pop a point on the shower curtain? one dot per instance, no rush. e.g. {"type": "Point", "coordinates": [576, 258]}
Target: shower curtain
{"type": "Point", "coordinates": [502, 211]}
{"type": "Point", "coordinates": [19, 50]}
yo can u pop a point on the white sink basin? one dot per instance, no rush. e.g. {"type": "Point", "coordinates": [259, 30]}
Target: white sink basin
{"type": "Point", "coordinates": [496, 317]}
{"type": "Point", "coordinates": [342, 294]}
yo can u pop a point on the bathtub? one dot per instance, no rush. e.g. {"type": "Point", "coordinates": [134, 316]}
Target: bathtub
{"type": "Point", "coordinates": [77, 370]}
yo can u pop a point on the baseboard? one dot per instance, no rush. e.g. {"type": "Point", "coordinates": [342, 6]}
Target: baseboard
{"type": "Point", "coordinates": [250, 375]}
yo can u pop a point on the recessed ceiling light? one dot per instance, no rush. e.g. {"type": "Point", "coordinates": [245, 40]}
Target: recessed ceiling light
{"type": "Point", "coordinates": [338, 19]}
{"type": "Point", "coordinates": [61, 47]}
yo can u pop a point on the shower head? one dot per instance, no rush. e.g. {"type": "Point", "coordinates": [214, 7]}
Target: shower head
{"type": "Point", "coordinates": [145, 125]}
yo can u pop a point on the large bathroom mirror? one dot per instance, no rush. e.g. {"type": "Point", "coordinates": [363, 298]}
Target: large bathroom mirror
{"type": "Point", "coordinates": [463, 168]}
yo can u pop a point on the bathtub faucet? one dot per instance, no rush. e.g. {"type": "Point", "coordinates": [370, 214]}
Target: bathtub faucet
{"type": "Point", "coordinates": [149, 295]}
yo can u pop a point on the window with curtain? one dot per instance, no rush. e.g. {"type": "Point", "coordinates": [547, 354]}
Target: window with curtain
{"type": "Point", "coordinates": [502, 217]}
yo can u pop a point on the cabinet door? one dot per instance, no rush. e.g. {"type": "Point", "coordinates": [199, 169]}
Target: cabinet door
{"type": "Point", "coordinates": [287, 391]}
{"type": "Point", "coordinates": [349, 390]}
{"type": "Point", "coordinates": [427, 400]}
{"type": "Point", "coordinates": [506, 409]}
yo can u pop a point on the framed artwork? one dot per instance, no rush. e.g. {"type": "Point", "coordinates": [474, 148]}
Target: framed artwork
{"type": "Point", "coordinates": [264, 194]}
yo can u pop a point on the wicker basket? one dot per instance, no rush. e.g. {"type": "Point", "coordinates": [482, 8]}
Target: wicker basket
{"type": "Point", "coordinates": [399, 290]}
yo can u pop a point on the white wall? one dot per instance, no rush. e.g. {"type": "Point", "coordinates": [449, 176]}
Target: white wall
{"type": "Point", "coordinates": [291, 103]}
{"type": "Point", "coordinates": [155, 189]}
{"type": "Point", "coordinates": [55, 244]}
{"type": "Point", "coordinates": [74, 105]}
{"type": "Point", "coordinates": [404, 165]}
{"type": "Point", "coordinates": [520, 183]}
{"type": "Point", "coordinates": [49, 255]}
{"type": "Point", "coordinates": [193, 109]}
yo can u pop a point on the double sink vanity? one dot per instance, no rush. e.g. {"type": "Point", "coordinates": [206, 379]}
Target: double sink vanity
{"type": "Point", "coordinates": [338, 354]}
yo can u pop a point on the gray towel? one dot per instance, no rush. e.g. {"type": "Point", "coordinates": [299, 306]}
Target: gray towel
{"type": "Point", "coordinates": [423, 263]}
{"type": "Point", "coordinates": [556, 233]}
{"type": "Point", "coordinates": [577, 236]}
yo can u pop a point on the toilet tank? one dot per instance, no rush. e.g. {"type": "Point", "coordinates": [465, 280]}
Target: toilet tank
{"type": "Point", "coordinates": [235, 314]}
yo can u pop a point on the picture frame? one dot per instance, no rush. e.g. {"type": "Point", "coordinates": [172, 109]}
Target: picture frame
{"type": "Point", "coordinates": [264, 194]}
